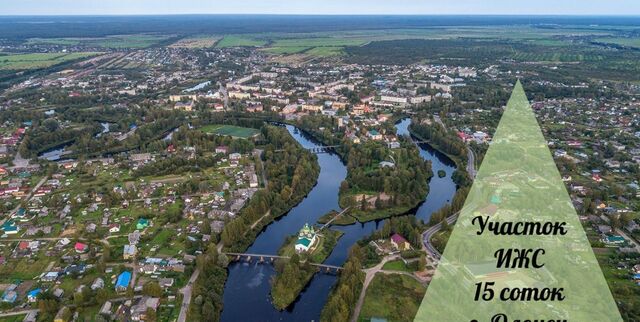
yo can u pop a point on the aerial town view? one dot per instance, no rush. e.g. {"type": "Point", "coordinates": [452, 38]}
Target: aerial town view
{"type": "Point", "coordinates": [167, 166]}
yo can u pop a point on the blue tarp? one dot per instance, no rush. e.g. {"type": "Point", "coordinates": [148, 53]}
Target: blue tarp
{"type": "Point", "coordinates": [123, 280]}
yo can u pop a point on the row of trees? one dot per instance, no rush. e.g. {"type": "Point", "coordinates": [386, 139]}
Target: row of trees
{"type": "Point", "coordinates": [343, 297]}
{"type": "Point", "coordinates": [208, 287]}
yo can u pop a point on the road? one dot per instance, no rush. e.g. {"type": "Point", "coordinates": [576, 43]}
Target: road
{"type": "Point", "coordinates": [186, 296]}
{"type": "Point", "coordinates": [471, 163]}
{"type": "Point", "coordinates": [426, 237]}
{"type": "Point", "coordinates": [3, 315]}
{"type": "Point", "coordinates": [370, 274]}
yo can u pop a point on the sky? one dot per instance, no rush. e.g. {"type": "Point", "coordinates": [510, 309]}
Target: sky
{"type": "Point", "coordinates": [394, 7]}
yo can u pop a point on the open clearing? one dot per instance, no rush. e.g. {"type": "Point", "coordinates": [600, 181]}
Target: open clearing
{"type": "Point", "coordinates": [230, 130]}
{"type": "Point", "coordinates": [240, 41]}
{"type": "Point", "coordinates": [40, 60]}
{"type": "Point", "coordinates": [202, 41]}
{"type": "Point", "coordinates": [115, 41]}
{"type": "Point", "coordinates": [393, 297]}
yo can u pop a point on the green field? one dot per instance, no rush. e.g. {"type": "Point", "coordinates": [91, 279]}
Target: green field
{"type": "Point", "coordinates": [230, 130]}
{"type": "Point", "coordinates": [54, 41]}
{"type": "Point", "coordinates": [628, 42]}
{"type": "Point", "coordinates": [323, 44]}
{"type": "Point", "coordinates": [399, 265]}
{"type": "Point", "coordinates": [128, 41]}
{"type": "Point", "coordinates": [115, 41]}
{"type": "Point", "coordinates": [240, 41]}
{"type": "Point", "coordinates": [392, 297]}
{"type": "Point", "coordinates": [40, 60]}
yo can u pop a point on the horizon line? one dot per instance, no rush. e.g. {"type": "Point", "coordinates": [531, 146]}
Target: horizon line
{"type": "Point", "coordinates": [635, 15]}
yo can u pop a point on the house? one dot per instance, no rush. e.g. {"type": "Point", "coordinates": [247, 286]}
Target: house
{"type": "Point", "coordinates": [50, 276]}
{"type": "Point", "coordinates": [114, 228]}
{"type": "Point", "coordinates": [129, 251]}
{"type": "Point", "coordinates": [10, 295]}
{"type": "Point", "coordinates": [306, 238]}
{"type": "Point", "coordinates": [614, 240]}
{"type": "Point", "coordinates": [122, 283]}
{"type": "Point", "coordinates": [222, 149]}
{"type": "Point", "coordinates": [81, 247]}
{"type": "Point", "coordinates": [139, 311]}
{"type": "Point", "coordinates": [374, 135]}
{"type": "Point", "coordinates": [10, 228]}
{"type": "Point", "coordinates": [63, 315]}
{"type": "Point", "coordinates": [142, 223]}
{"type": "Point", "coordinates": [98, 283]}
{"type": "Point", "coordinates": [399, 242]}
{"type": "Point", "coordinates": [32, 296]}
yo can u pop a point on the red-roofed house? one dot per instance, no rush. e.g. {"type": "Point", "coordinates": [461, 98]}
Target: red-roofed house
{"type": "Point", "coordinates": [400, 242]}
{"type": "Point", "coordinates": [81, 248]}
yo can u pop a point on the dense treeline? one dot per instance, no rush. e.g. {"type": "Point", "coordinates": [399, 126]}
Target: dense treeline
{"type": "Point", "coordinates": [291, 171]}
{"type": "Point", "coordinates": [344, 295]}
{"type": "Point", "coordinates": [291, 277]}
{"type": "Point", "coordinates": [207, 290]}
{"type": "Point", "coordinates": [440, 139]}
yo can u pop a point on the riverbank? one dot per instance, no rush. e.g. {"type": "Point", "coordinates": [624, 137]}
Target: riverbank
{"type": "Point", "coordinates": [296, 272]}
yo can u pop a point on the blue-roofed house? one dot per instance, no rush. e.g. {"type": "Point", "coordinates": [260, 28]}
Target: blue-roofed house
{"type": "Point", "coordinates": [142, 223]}
{"type": "Point", "coordinates": [123, 281]}
{"type": "Point", "coordinates": [9, 227]}
{"type": "Point", "coordinates": [32, 296]}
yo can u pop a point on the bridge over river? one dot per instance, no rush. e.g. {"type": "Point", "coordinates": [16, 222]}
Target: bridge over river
{"type": "Point", "coordinates": [266, 257]}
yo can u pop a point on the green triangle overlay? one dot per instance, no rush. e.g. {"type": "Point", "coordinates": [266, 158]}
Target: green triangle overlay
{"type": "Point", "coordinates": [518, 182]}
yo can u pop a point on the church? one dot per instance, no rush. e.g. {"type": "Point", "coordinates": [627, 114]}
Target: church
{"type": "Point", "coordinates": [306, 238]}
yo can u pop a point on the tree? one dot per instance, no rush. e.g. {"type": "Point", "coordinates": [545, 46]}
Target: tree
{"type": "Point", "coordinates": [208, 312]}
{"type": "Point", "coordinates": [150, 315]}
{"type": "Point", "coordinates": [223, 260]}
{"type": "Point", "coordinates": [152, 289]}
{"type": "Point", "coordinates": [102, 296]}
{"type": "Point", "coordinates": [422, 264]}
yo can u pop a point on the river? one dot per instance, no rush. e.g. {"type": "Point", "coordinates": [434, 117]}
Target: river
{"type": "Point", "coordinates": [246, 293]}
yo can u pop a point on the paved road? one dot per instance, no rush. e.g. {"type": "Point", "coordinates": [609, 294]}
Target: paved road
{"type": "Point", "coordinates": [186, 298]}
{"type": "Point", "coordinates": [471, 163]}
{"type": "Point", "coordinates": [426, 237]}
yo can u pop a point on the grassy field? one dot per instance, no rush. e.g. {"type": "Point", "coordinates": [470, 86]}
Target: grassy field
{"type": "Point", "coordinates": [40, 60]}
{"type": "Point", "coordinates": [231, 130]}
{"type": "Point", "coordinates": [54, 41]}
{"type": "Point", "coordinates": [13, 318]}
{"type": "Point", "coordinates": [115, 41]}
{"type": "Point", "coordinates": [128, 41]}
{"type": "Point", "coordinates": [240, 41]}
{"type": "Point", "coordinates": [324, 44]}
{"type": "Point", "coordinates": [393, 297]}
{"type": "Point", "coordinates": [200, 41]}
{"type": "Point", "coordinates": [399, 265]}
